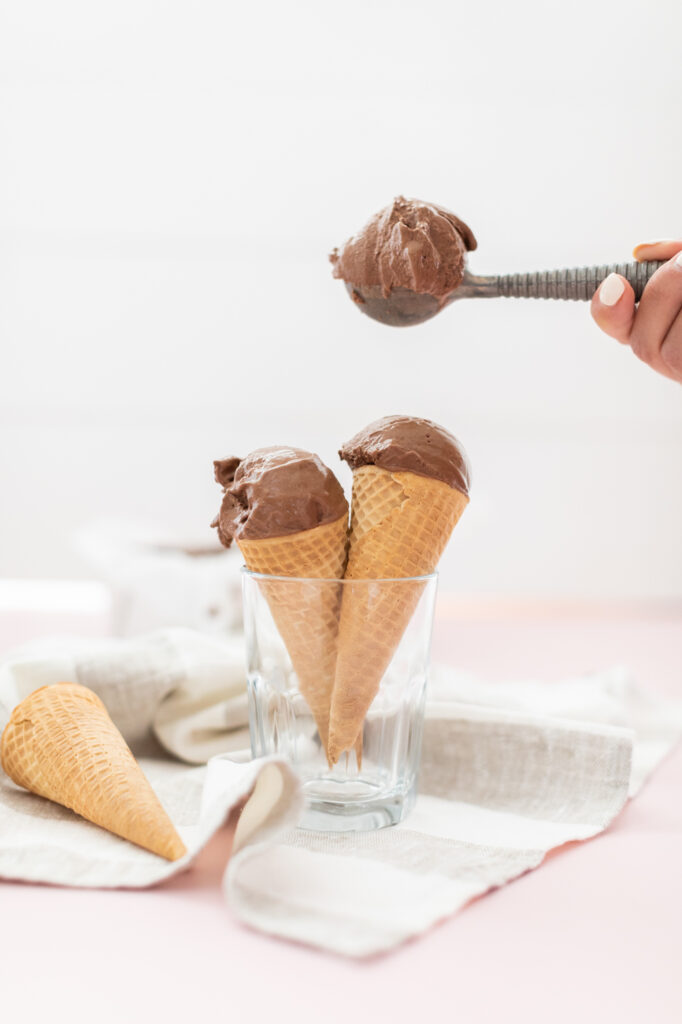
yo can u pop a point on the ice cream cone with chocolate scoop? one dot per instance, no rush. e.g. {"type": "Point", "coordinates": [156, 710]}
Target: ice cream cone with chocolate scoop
{"type": "Point", "coordinates": [289, 517]}
{"type": "Point", "coordinates": [410, 487]}
{"type": "Point", "coordinates": [61, 744]}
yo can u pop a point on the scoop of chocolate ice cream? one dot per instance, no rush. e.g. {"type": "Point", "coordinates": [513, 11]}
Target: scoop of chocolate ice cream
{"type": "Point", "coordinates": [408, 444]}
{"type": "Point", "coordinates": [413, 245]}
{"type": "Point", "coordinates": [274, 492]}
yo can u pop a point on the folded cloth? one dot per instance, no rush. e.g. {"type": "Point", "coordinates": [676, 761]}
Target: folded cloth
{"type": "Point", "coordinates": [508, 772]}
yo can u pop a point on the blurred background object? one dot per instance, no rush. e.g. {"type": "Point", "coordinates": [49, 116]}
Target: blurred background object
{"type": "Point", "coordinates": [157, 579]}
{"type": "Point", "coordinates": [172, 178]}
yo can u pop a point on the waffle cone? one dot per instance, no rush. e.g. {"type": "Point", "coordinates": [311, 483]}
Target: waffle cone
{"type": "Point", "coordinates": [306, 616]}
{"type": "Point", "coordinates": [400, 524]}
{"type": "Point", "coordinates": [61, 744]}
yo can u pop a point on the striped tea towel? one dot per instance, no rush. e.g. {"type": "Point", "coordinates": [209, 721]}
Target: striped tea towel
{"type": "Point", "coordinates": [508, 773]}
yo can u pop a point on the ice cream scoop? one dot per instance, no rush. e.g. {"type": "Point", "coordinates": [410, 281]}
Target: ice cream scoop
{"type": "Point", "coordinates": [409, 262]}
{"type": "Point", "coordinates": [409, 444]}
{"type": "Point", "coordinates": [276, 492]}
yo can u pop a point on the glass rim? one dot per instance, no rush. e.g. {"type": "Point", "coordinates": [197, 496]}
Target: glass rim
{"type": "Point", "coordinates": [333, 579]}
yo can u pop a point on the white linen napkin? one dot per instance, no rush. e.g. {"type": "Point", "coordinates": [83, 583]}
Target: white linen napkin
{"type": "Point", "coordinates": [508, 772]}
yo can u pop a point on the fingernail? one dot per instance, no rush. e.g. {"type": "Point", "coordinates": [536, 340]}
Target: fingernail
{"type": "Point", "coordinates": [678, 260]}
{"type": "Point", "coordinates": [611, 290]}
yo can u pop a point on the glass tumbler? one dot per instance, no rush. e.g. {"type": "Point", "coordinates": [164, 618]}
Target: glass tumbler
{"type": "Point", "coordinates": [337, 673]}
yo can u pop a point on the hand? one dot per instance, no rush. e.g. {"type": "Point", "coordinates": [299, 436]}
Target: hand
{"type": "Point", "coordinates": [653, 329]}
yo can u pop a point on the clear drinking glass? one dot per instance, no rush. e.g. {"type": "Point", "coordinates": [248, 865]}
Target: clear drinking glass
{"type": "Point", "coordinates": [368, 641]}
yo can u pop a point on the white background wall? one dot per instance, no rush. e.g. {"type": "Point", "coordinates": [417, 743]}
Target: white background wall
{"type": "Point", "coordinates": [172, 176]}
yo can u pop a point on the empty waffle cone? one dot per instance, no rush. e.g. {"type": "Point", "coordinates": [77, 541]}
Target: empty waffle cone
{"type": "Point", "coordinates": [400, 525]}
{"type": "Point", "coordinates": [307, 616]}
{"type": "Point", "coordinates": [60, 743]}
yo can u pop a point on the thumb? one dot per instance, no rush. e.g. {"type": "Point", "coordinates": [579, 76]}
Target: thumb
{"type": "Point", "coordinates": [613, 307]}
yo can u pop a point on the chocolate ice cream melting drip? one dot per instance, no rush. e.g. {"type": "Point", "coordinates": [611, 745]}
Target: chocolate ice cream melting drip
{"type": "Point", "coordinates": [408, 263]}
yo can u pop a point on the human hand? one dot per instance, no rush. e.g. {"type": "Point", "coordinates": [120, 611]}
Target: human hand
{"type": "Point", "coordinates": [653, 329]}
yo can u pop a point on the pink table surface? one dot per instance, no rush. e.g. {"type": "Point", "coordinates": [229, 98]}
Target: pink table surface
{"type": "Point", "coordinates": [594, 934]}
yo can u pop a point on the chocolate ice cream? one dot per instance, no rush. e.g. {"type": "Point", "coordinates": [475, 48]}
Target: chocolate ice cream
{"type": "Point", "coordinates": [409, 444]}
{"type": "Point", "coordinates": [413, 245]}
{"type": "Point", "coordinates": [274, 492]}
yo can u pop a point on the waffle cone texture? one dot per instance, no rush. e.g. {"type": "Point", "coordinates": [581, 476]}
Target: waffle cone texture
{"type": "Point", "coordinates": [306, 616]}
{"type": "Point", "coordinates": [400, 525]}
{"type": "Point", "coordinates": [61, 744]}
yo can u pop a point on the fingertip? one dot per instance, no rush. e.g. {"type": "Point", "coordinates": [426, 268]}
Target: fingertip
{"type": "Point", "coordinates": [613, 307]}
{"type": "Point", "coordinates": [611, 290]}
{"type": "Point", "coordinates": [661, 249]}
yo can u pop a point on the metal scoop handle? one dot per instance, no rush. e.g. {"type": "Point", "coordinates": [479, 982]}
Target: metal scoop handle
{"type": "Point", "coordinates": [578, 283]}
